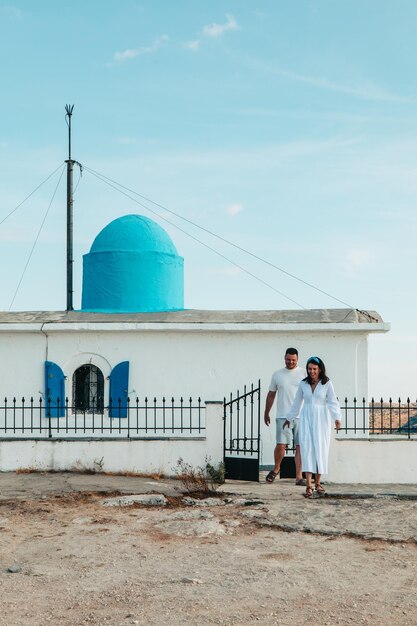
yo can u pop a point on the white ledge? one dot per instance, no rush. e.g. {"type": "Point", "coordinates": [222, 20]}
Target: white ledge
{"type": "Point", "coordinates": [52, 327]}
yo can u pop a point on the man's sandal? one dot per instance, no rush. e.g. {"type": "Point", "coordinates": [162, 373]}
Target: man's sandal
{"type": "Point", "coordinates": [309, 492]}
{"type": "Point", "coordinates": [271, 477]}
{"type": "Point", "coordinates": [320, 489]}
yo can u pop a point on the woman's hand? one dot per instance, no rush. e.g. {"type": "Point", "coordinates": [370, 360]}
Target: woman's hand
{"type": "Point", "coordinates": [338, 425]}
{"type": "Point", "coordinates": [286, 424]}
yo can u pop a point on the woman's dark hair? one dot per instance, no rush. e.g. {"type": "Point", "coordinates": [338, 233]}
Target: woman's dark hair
{"type": "Point", "coordinates": [322, 370]}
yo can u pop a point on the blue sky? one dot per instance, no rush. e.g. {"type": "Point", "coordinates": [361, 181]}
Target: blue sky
{"type": "Point", "coordinates": [286, 127]}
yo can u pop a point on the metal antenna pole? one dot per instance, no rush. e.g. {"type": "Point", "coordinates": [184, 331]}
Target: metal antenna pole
{"type": "Point", "coordinates": [70, 201]}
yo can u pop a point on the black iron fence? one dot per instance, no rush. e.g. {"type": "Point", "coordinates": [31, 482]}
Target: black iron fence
{"type": "Point", "coordinates": [150, 417]}
{"type": "Point", "coordinates": [147, 418]}
{"type": "Point", "coordinates": [376, 418]}
{"type": "Point", "coordinates": [379, 417]}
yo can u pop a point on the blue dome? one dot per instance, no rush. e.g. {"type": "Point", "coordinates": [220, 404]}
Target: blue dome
{"type": "Point", "coordinates": [133, 233]}
{"type": "Point", "coordinates": [133, 266]}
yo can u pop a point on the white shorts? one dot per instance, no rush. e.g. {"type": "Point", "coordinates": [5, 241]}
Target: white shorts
{"type": "Point", "coordinates": [289, 434]}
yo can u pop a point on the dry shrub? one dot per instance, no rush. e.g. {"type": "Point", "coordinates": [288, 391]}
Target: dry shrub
{"type": "Point", "coordinates": [200, 480]}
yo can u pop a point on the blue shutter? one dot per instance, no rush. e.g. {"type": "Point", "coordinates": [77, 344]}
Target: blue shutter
{"type": "Point", "coordinates": [54, 390]}
{"type": "Point", "coordinates": [119, 381]}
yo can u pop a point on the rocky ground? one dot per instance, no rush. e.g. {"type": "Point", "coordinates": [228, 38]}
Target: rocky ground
{"type": "Point", "coordinates": [259, 554]}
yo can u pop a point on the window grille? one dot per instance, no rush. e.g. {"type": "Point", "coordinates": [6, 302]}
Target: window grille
{"type": "Point", "coordinates": [88, 389]}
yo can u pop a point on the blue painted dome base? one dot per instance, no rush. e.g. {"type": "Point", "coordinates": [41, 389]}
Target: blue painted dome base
{"type": "Point", "coordinates": [133, 266]}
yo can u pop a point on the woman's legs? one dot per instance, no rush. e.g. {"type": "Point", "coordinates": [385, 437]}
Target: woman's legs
{"type": "Point", "coordinates": [309, 488]}
{"type": "Point", "coordinates": [319, 487]}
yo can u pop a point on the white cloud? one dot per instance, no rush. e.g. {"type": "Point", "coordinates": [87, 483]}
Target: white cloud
{"type": "Point", "coordinates": [216, 30]}
{"type": "Point", "coordinates": [234, 209]}
{"type": "Point", "coordinates": [127, 141]}
{"type": "Point", "coordinates": [16, 234]}
{"type": "Point", "coordinates": [12, 12]}
{"type": "Point", "coordinates": [362, 89]}
{"type": "Point", "coordinates": [213, 30]}
{"type": "Point", "coordinates": [120, 57]}
{"type": "Point", "coordinates": [356, 259]}
{"type": "Point", "coordinates": [314, 115]}
{"type": "Point", "coordinates": [260, 15]}
{"type": "Point", "coordinates": [365, 90]}
{"type": "Point", "coordinates": [192, 45]}
{"type": "Point", "coordinates": [232, 271]}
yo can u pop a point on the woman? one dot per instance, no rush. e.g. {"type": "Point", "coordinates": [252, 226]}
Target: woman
{"type": "Point", "coordinates": [316, 396]}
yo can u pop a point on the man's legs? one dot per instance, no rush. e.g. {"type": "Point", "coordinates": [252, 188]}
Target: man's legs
{"type": "Point", "coordinates": [299, 480]}
{"type": "Point", "coordinates": [283, 438]}
{"type": "Point", "coordinates": [298, 467]}
{"type": "Point", "coordinates": [279, 454]}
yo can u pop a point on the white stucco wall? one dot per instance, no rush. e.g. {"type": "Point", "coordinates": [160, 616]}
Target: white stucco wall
{"type": "Point", "coordinates": [375, 460]}
{"type": "Point", "coordinates": [148, 456]}
{"type": "Point", "coordinates": [366, 461]}
{"type": "Point", "coordinates": [206, 360]}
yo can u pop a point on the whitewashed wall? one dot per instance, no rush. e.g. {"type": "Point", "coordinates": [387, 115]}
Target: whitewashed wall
{"type": "Point", "coordinates": [374, 460]}
{"type": "Point", "coordinates": [206, 360]}
{"type": "Point", "coordinates": [366, 461]}
{"type": "Point", "coordinates": [149, 456]}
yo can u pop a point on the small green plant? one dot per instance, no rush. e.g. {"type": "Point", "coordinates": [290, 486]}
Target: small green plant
{"type": "Point", "coordinates": [200, 480]}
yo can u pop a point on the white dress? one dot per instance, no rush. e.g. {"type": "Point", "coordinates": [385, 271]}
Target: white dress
{"type": "Point", "coordinates": [315, 411]}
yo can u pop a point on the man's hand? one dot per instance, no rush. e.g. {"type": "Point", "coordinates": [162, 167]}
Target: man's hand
{"type": "Point", "coordinates": [338, 424]}
{"type": "Point", "coordinates": [268, 406]}
{"type": "Point", "coordinates": [286, 424]}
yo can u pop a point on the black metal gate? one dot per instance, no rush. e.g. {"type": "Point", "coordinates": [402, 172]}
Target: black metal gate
{"type": "Point", "coordinates": [242, 434]}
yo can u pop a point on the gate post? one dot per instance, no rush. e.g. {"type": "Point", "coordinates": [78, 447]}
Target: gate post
{"type": "Point", "coordinates": [214, 431]}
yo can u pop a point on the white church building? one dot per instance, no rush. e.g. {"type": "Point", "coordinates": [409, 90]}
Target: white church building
{"type": "Point", "coordinates": [134, 381]}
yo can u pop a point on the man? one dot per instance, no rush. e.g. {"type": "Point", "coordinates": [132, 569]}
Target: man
{"type": "Point", "coordinates": [285, 382]}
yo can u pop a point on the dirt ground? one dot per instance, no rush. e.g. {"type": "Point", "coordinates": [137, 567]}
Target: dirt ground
{"type": "Point", "coordinates": [68, 560]}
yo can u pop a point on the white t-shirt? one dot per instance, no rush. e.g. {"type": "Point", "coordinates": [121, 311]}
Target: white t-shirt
{"type": "Point", "coordinates": [285, 382]}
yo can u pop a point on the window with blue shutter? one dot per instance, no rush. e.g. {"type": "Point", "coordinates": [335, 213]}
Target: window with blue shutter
{"type": "Point", "coordinates": [54, 390]}
{"type": "Point", "coordinates": [119, 381]}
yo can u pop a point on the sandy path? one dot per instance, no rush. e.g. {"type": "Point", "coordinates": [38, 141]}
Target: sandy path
{"type": "Point", "coordinates": [81, 563]}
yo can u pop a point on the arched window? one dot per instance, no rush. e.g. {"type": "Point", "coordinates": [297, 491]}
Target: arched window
{"type": "Point", "coordinates": [88, 389]}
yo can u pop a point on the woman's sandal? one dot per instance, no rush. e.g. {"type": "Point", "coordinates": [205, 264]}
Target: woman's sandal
{"type": "Point", "coordinates": [271, 477]}
{"type": "Point", "coordinates": [320, 489]}
{"type": "Point", "coordinates": [309, 492]}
